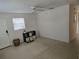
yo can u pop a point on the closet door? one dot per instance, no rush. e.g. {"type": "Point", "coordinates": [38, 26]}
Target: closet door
{"type": "Point", "coordinates": [4, 39]}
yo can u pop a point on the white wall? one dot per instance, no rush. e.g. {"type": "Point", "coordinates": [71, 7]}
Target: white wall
{"type": "Point", "coordinates": [30, 22]}
{"type": "Point", "coordinates": [54, 23]}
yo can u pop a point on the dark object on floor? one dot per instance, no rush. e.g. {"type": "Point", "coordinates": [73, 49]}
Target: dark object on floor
{"type": "Point", "coordinates": [29, 36]}
{"type": "Point", "coordinates": [16, 42]}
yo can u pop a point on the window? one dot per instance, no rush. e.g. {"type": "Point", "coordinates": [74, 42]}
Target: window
{"type": "Point", "coordinates": [18, 23]}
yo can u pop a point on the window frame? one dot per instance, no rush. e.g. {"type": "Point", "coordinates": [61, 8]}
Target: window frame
{"type": "Point", "coordinates": [15, 27]}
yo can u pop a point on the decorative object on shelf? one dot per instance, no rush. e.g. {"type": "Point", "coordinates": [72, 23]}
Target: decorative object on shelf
{"type": "Point", "coordinates": [33, 35]}
{"type": "Point", "coordinates": [30, 34]}
{"type": "Point", "coordinates": [26, 37]}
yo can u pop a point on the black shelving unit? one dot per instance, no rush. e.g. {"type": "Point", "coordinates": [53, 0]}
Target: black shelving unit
{"type": "Point", "coordinates": [27, 35]}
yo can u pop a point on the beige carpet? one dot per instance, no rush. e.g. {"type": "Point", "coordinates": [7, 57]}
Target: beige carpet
{"type": "Point", "coordinates": [41, 48]}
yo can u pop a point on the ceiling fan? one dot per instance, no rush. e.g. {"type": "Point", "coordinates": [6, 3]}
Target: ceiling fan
{"type": "Point", "coordinates": [40, 9]}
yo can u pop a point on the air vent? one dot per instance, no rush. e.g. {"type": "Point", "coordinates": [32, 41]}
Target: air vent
{"type": "Point", "coordinates": [51, 8]}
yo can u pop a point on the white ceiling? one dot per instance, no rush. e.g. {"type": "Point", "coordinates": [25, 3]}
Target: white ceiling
{"type": "Point", "coordinates": [26, 6]}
